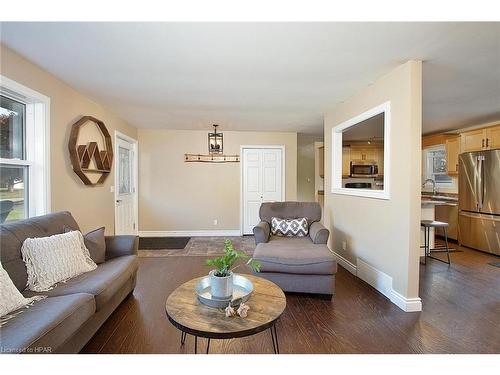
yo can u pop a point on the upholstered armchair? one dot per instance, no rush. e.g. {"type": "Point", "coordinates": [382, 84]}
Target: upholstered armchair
{"type": "Point", "coordinates": [296, 264]}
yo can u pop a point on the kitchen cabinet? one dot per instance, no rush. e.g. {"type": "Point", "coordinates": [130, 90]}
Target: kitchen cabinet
{"type": "Point", "coordinates": [346, 161]}
{"type": "Point", "coordinates": [473, 140]}
{"type": "Point", "coordinates": [493, 137]}
{"type": "Point", "coordinates": [362, 153]}
{"type": "Point", "coordinates": [448, 214]}
{"type": "Point", "coordinates": [379, 159]}
{"type": "Point", "coordinates": [480, 139]}
{"type": "Point", "coordinates": [452, 145]}
{"type": "Point", "coordinates": [433, 140]}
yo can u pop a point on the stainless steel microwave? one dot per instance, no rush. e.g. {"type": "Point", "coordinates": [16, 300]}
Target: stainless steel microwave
{"type": "Point", "coordinates": [363, 169]}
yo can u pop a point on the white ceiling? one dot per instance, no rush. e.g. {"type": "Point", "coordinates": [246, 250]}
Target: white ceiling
{"type": "Point", "coordinates": [264, 76]}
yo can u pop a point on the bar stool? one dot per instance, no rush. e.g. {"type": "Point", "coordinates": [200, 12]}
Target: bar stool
{"type": "Point", "coordinates": [428, 224]}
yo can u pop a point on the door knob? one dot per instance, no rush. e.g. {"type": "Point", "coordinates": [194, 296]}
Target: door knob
{"type": "Point", "coordinates": [118, 200]}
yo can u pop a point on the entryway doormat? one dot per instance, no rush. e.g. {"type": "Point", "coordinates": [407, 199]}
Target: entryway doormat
{"type": "Point", "coordinates": [162, 243]}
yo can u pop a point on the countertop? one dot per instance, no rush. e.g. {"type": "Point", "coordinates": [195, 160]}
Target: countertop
{"type": "Point", "coordinates": [439, 200]}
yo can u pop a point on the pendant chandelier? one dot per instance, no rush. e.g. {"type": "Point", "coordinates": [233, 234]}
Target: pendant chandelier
{"type": "Point", "coordinates": [215, 141]}
{"type": "Point", "coordinates": [215, 151]}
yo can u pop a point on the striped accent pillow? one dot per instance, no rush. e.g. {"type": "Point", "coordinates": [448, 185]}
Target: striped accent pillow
{"type": "Point", "coordinates": [289, 228]}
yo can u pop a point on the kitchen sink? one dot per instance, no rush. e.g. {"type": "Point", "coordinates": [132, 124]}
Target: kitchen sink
{"type": "Point", "coordinates": [439, 197]}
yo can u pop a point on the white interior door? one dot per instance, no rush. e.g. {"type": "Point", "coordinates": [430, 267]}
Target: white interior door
{"type": "Point", "coordinates": [262, 182]}
{"type": "Point", "coordinates": [125, 187]}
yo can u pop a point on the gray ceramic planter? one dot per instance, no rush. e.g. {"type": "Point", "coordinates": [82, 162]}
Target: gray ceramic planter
{"type": "Point", "coordinates": [221, 287]}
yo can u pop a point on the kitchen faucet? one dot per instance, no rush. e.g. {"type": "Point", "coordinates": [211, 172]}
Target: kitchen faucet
{"type": "Point", "coordinates": [433, 185]}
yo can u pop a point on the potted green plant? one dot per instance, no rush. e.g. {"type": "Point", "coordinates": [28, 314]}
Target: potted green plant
{"type": "Point", "coordinates": [221, 278]}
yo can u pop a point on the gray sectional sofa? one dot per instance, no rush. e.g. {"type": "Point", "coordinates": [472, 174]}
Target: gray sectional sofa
{"type": "Point", "coordinates": [296, 264]}
{"type": "Point", "coordinates": [73, 312]}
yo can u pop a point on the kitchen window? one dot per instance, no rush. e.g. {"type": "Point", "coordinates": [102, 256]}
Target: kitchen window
{"type": "Point", "coordinates": [436, 167]}
{"type": "Point", "coordinates": [24, 152]}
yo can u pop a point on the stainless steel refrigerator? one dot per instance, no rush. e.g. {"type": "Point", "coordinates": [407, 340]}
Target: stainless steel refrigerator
{"type": "Point", "coordinates": [479, 200]}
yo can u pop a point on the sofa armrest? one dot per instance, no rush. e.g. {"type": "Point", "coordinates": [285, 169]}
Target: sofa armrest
{"type": "Point", "coordinates": [261, 232]}
{"type": "Point", "coordinates": [318, 233]}
{"type": "Point", "coordinates": [117, 246]}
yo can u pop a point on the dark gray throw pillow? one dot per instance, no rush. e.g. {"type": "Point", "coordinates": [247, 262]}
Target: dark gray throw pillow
{"type": "Point", "coordinates": [95, 242]}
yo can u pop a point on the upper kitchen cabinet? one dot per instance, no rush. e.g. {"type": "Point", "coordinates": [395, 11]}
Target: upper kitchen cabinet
{"type": "Point", "coordinates": [473, 140]}
{"type": "Point", "coordinates": [493, 137]}
{"type": "Point", "coordinates": [363, 152]}
{"type": "Point", "coordinates": [452, 145]}
{"type": "Point", "coordinates": [433, 140]}
{"type": "Point", "coordinates": [480, 139]}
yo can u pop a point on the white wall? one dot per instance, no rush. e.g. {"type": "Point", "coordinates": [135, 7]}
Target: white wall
{"type": "Point", "coordinates": [383, 234]}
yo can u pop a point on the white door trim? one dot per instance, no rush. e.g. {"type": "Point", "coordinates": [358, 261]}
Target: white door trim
{"type": "Point", "coordinates": [283, 174]}
{"type": "Point", "coordinates": [120, 135]}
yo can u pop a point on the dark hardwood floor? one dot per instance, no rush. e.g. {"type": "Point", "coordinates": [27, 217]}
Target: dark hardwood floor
{"type": "Point", "coordinates": [461, 314]}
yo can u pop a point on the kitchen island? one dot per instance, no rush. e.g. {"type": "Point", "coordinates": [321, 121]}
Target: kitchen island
{"type": "Point", "coordinates": [428, 212]}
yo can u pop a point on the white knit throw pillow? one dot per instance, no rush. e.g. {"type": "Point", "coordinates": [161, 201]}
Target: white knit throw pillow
{"type": "Point", "coordinates": [11, 299]}
{"type": "Point", "coordinates": [50, 260]}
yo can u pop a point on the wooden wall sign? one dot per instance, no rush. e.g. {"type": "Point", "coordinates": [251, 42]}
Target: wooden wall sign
{"type": "Point", "coordinates": [82, 155]}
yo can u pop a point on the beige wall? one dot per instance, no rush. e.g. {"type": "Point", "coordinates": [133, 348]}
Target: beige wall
{"type": "Point", "coordinates": [92, 206]}
{"type": "Point", "coordinates": [179, 196]}
{"type": "Point", "coordinates": [305, 166]}
{"type": "Point", "coordinates": [384, 233]}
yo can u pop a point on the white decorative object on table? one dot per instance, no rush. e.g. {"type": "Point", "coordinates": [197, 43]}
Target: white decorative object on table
{"type": "Point", "coordinates": [243, 310]}
{"type": "Point", "coordinates": [54, 259]}
{"type": "Point", "coordinates": [230, 311]}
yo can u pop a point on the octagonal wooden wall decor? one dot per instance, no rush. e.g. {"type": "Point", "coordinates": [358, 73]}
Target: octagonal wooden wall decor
{"type": "Point", "coordinates": [81, 155]}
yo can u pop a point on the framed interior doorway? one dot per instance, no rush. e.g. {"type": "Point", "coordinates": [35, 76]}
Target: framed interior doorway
{"type": "Point", "coordinates": [126, 185]}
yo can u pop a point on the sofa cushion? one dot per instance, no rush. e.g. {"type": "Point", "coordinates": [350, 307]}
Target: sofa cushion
{"type": "Point", "coordinates": [103, 282]}
{"type": "Point", "coordinates": [11, 298]}
{"type": "Point", "coordinates": [295, 255]}
{"type": "Point", "coordinates": [50, 260]}
{"type": "Point", "coordinates": [47, 324]}
{"type": "Point", "coordinates": [13, 234]}
{"type": "Point", "coordinates": [95, 243]}
{"type": "Point", "coordinates": [290, 210]}
{"type": "Point", "coordinates": [289, 227]}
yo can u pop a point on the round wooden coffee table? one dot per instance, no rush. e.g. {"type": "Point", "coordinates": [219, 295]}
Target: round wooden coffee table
{"type": "Point", "coordinates": [190, 316]}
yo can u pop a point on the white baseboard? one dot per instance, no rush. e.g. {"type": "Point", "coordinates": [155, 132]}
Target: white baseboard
{"type": "Point", "coordinates": [383, 283]}
{"type": "Point", "coordinates": [351, 267]}
{"type": "Point", "coordinates": [189, 233]}
{"type": "Point", "coordinates": [376, 278]}
{"type": "Point", "coordinates": [406, 304]}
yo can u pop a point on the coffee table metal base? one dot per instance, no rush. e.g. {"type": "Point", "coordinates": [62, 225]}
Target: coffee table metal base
{"type": "Point", "coordinates": [272, 329]}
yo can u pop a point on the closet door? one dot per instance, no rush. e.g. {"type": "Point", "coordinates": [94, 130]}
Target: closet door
{"type": "Point", "coordinates": [262, 182]}
{"type": "Point", "coordinates": [271, 175]}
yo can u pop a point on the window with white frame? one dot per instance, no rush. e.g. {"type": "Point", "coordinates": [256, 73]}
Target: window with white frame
{"type": "Point", "coordinates": [435, 166]}
{"type": "Point", "coordinates": [24, 152]}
